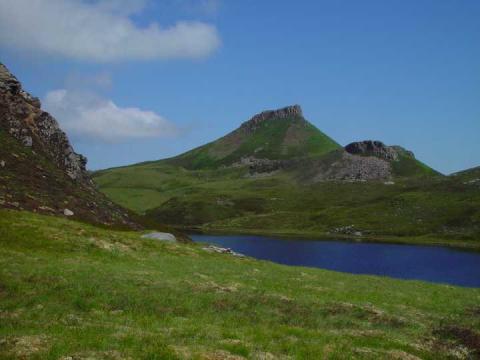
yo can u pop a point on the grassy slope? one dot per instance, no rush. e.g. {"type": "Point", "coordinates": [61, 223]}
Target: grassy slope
{"type": "Point", "coordinates": [68, 289]}
{"type": "Point", "coordinates": [411, 167]}
{"type": "Point", "coordinates": [472, 175]}
{"type": "Point", "coordinates": [420, 209]}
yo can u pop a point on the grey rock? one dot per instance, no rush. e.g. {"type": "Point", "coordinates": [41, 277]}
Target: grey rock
{"type": "Point", "coordinates": [283, 113]}
{"type": "Point", "coordinates": [347, 230]}
{"type": "Point", "coordinates": [220, 250]}
{"type": "Point", "coordinates": [160, 236]}
{"type": "Point", "coordinates": [9, 83]}
{"type": "Point", "coordinates": [27, 141]}
{"type": "Point", "coordinates": [354, 168]}
{"type": "Point", "coordinates": [68, 212]}
{"type": "Point", "coordinates": [257, 165]}
{"type": "Point", "coordinates": [2, 163]}
{"type": "Point", "coordinates": [377, 149]}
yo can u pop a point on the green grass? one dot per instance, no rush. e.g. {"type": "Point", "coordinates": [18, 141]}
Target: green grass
{"type": "Point", "coordinates": [136, 199]}
{"type": "Point", "coordinates": [407, 166]}
{"type": "Point", "coordinates": [69, 289]}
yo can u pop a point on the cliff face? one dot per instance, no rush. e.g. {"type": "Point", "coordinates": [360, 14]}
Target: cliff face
{"type": "Point", "coordinates": [22, 117]}
{"type": "Point", "coordinates": [289, 112]}
{"type": "Point", "coordinates": [39, 169]}
{"type": "Point", "coordinates": [378, 149]}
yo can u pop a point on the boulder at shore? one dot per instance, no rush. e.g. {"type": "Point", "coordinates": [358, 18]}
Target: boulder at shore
{"type": "Point", "coordinates": [160, 236]}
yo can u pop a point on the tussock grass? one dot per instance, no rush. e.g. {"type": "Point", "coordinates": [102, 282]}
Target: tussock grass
{"type": "Point", "coordinates": [69, 289]}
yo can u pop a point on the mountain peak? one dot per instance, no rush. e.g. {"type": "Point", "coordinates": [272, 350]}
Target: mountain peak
{"type": "Point", "coordinates": [282, 113]}
{"type": "Point", "coordinates": [280, 134]}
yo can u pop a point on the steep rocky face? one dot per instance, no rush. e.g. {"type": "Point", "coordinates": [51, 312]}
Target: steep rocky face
{"type": "Point", "coordinates": [292, 112]}
{"type": "Point", "coordinates": [378, 149]}
{"type": "Point", "coordinates": [22, 117]}
{"type": "Point", "coordinates": [39, 169]}
{"type": "Point", "coordinates": [348, 167]}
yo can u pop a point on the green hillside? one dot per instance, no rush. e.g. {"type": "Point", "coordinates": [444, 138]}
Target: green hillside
{"type": "Point", "coordinates": [274, 135]}
{"type": "Point", "coordinates": [470, 176]}
{"type": "Point", "coordinates": [150, 300]}
{"type": "Point", "coordinates": [423, 209]}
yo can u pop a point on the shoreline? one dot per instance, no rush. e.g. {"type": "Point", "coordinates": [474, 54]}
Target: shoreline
{"type": "Point", "coordinates": [466, 245]}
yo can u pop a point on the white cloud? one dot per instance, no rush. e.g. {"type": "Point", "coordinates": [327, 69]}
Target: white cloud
{"type": "Point", "coordinates": [88, 116]}
{"type": "Point", "coordinates": [99, 31]}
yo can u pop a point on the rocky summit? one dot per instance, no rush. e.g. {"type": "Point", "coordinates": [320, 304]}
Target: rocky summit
{"type": "Point", "coordinates": [289, 112]}
{"type": "Point", "coordinates": [39, 169]}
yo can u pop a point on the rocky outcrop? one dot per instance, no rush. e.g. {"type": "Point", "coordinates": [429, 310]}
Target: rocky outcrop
{"type": "Point", "coordinates": [9, 83]}
{"type": "Point", "coordinates": [22, 117]}
{"type": "Point", "coordinates": [39, 170]}
{"type": "Point", "coordinates": [377, 149]}
{"type": "Point", "coordinates": [345, 167]}
{"type": "Point", "coordinates": [283, 113]}
{"type": "Point", "coordinates": [256, 165]}
{"type": "Point", "coordinates": [358, 168]}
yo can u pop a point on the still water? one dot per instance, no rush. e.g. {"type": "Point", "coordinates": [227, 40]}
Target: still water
{"type": "Point", "coordinates": [429, 263]}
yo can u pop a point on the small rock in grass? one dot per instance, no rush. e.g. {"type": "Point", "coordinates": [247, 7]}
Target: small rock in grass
{"type": "Point", "coordinates": [68, 212]}
{"type": "Point", "coordinates": [160, 236]}
{"type": "Point", "coordinates": [2, 163]}
{"type": "Point", "coordinates": [221, 250]}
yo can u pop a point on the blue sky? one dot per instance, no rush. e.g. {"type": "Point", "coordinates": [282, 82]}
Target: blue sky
{"type": "Point", "coordinates": [406, 72]}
